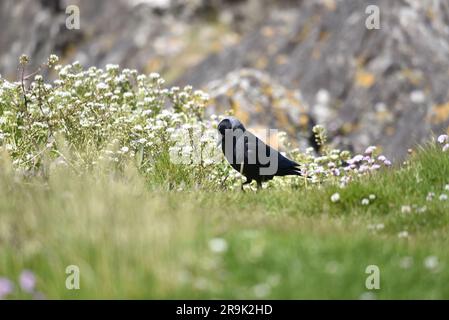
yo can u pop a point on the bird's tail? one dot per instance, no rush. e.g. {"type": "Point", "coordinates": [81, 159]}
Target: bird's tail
{"type": "Point", "coordinates": [293, 171]}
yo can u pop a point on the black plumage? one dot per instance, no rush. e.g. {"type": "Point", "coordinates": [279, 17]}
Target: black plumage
{"type": "Point", "coordinates": [251, 156]}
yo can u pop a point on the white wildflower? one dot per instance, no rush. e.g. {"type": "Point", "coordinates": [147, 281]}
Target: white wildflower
{"type": "Point", "coordinates": [406, 263]}
{"type": "Point", "coordinates": [403, 234]}
{"type": "Point", "coordinates": [102, 86]}
{"type": "Point", "coordinates": [112, 67]}
{"type": "Point", "coordinates": [431, 262]}
{"type": "Point", "coordinates": [262, 290]}
{"type": "Point", "coordinates": [406, 209]}
{"type": "Point", "coordinates": [335, 197]}
{"type": "Point", "coordinates": [218, 245]}
{"type": "Point", "coordinates": [124, 149]}
{"type": "Point", "coordinates": [154, 76]}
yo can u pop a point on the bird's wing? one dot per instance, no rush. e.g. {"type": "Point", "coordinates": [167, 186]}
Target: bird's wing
{"type": "Point", "coordinates": [246, 149]}
{"type": "Point", "coordinates": [252, 150]}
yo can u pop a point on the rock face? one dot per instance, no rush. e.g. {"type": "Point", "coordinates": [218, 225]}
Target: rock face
{"type": "Point", "coordinates": [261, 102]}
{"type": "Point", "coordinates": [167, 36]}
{"type": "Point", "coordinates": [33, 27]}
{"type": "Point", "coordinates": [387, 86]}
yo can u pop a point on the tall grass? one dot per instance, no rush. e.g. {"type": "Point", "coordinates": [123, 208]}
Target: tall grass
{"type": "Point", "coordinates": [112, 172]}
{"type": "Point", "coordinates": [133, 239]}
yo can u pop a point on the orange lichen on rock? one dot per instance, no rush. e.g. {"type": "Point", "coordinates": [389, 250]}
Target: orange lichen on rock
{"type": "Point", "coordinates": [440, 113]}
{"type": "Point", "coordinates": [268, 31]}
{"type": "Point", "coordinates": [238, 111]}
{"type": "Point", "coordinates": [364, 78]}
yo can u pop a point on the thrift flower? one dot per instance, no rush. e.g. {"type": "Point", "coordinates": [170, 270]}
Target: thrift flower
{"type": "Point", "coordinates": [27, 281]}
{"type": "Point", "coordinates": [6, 287]}
{"type": "Point", "coordinates": [442, 139]}
{"type": "Point", "coordinates": [370, 150]}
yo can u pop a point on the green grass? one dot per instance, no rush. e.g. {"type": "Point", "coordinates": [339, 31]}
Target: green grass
{"type": "Point", "coordinates": [131, 239]}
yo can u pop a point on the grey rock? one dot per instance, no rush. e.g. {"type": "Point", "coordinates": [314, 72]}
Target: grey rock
{"type": "Point", "coordinates": [387, 87]}
{"type": "Point", "coordinates": [402, 68]}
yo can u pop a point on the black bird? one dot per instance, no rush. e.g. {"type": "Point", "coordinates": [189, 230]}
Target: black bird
{"type": "Point", "coordinates": [252, 157]}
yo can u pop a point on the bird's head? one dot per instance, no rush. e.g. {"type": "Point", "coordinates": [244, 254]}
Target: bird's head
{"type": "Point", "coordinates": [230, 123]}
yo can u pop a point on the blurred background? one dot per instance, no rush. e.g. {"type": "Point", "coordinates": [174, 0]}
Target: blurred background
{"type": "Point", "coordinates": [281, 64]}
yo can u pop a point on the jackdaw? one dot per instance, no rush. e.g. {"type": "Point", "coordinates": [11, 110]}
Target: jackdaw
{"type": "Point", "coordinates": [252, 157]}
